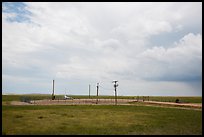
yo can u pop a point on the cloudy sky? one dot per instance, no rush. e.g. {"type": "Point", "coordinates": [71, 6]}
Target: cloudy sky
{"type": "Point", "coordinates": [150, 48]}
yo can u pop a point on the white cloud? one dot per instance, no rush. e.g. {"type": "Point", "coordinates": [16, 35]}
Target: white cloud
{"type": "Point", "coordinates": [103, 41]}
{"type": "Point", "coordinates": [183, 61]}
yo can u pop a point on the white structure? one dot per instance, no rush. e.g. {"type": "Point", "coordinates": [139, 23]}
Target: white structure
{"type": "Point", "coordinates": [66, 97]}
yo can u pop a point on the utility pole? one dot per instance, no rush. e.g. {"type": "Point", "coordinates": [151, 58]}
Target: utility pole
{"type": "Point", "coordinates": [53, 86]}
{"type": "Point", "coordinates": [97, 93]}
{"type": "Point", "coordinates": [89, 90]}
{"type": "Point", "coordinates": [115, 85]}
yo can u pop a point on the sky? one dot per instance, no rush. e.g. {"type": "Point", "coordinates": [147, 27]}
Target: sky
{"type": "Point", "coordinates": [150, 48]}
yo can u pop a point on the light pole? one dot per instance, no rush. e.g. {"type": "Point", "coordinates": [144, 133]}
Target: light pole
{"type": "Point", "coordinates": [53, 89]}
{"type": "Point", "coordinates": [97, 93]}
{"type": "Point", "coordinates": [115, 85]}
{"type": "Point", "coordinates": [89, 90]}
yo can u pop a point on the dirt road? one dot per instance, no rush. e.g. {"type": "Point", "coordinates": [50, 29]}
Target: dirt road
{"type": "Point", "coordinates": [103, 102]}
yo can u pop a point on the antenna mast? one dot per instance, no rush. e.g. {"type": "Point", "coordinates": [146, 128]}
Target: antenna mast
{"type": "Point", "coordinates": [115, 85]}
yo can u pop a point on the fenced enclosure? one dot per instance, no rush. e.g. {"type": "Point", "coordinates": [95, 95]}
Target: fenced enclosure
{"type": "Point", "coordinates": [183, 99]}
{"type": "Point", "coordinates": [81, 101]}
{"type": "Point", "coordinates": [105, 100]}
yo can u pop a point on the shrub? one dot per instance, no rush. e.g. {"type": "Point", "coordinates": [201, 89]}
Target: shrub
{"type": "Point", "coordinates": [177, 101]}
{"type": "Point", "coordinates": [25, 99]}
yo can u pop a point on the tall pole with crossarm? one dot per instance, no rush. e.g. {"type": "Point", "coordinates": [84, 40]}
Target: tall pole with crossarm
{"type": "Point", "coordinates": [115, 85]}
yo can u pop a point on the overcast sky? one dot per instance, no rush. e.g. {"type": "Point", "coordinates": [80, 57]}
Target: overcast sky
{"type": "Point", "coordinates": [150, 48]}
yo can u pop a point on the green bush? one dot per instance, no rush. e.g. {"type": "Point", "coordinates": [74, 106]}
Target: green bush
{"type": "Point", "coordinates": [25, 99]}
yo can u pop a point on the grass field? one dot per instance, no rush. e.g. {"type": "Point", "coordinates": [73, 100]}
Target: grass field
{"type": "Point", "coordinates": [99, 119]}
{"type": "Point", "coordinates": [182, 99]}
{"type": "Point", "coordinates": [153, 98]}
{"type": "Point", "coordinates": [137, 119]}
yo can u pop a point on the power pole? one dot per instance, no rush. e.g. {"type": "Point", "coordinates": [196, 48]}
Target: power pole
{"type": "Point", "coordinates": [89, 90]}
{"type": "Point", "coordinates": [115, 85]}
{"type": "Point", "coordinates": [97, 93]}
{"type": "Point", "coordinates": [53, 87]}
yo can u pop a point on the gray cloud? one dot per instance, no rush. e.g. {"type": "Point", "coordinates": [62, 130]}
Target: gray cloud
{"type": "Point", "coordinates": [89, 42]}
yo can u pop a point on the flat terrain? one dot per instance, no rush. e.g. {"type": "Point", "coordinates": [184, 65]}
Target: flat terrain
{"type": "Point", "coordinates": [106, 102]}
{"type": "Point", "coordinates": [84, 117]}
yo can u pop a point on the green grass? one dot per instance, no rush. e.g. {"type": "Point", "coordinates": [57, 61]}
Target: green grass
{"type": "Point", "coordinates": [153, 98]}
{"type": "Point", "coordinates": [18, 97]}
{"type": "Point", "coordinates": [100, 120]}
{"type": "Point", "coordinates": [46, 96]}
{"type": "Point", "coordinates": [193, 99]}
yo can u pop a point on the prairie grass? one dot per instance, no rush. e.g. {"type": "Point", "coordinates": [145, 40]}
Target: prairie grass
{"type": "Point", "coordinates": [100, 120]}
{"type": "Point", "coordinates": [184, 99]}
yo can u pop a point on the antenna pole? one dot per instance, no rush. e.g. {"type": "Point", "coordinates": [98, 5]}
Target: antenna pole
{"type": "Point", "coordinates": [89, 90]}
{"type": "Point", "coordinates": [97, 93]}
{"type": "Point", "coordinates": [53, 88]}
{"type": "Point", "coordinates": [115, 85]}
